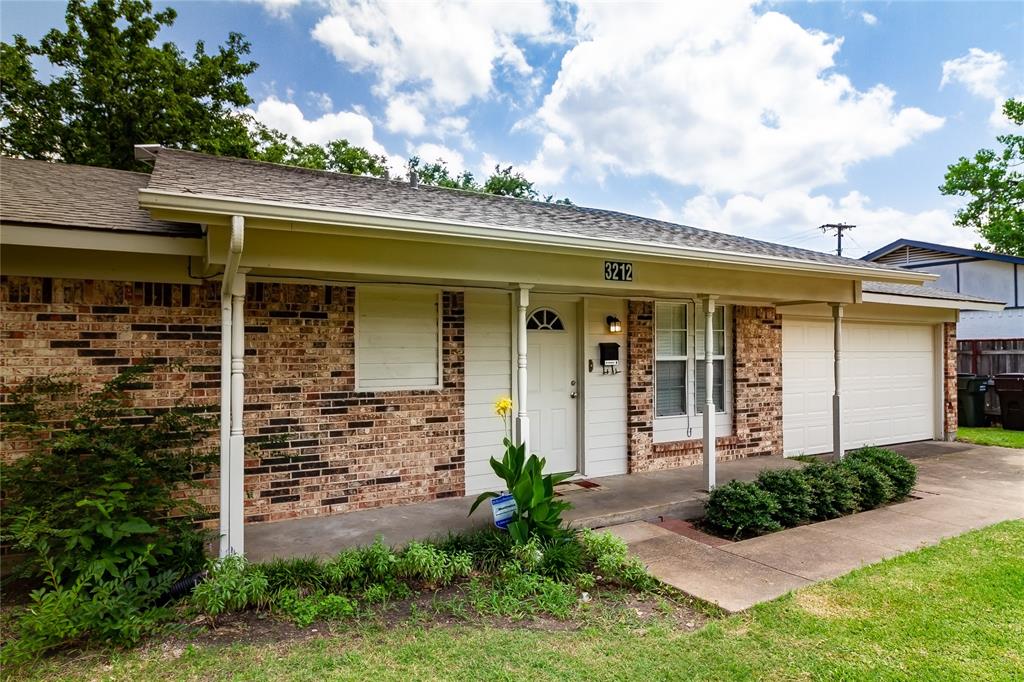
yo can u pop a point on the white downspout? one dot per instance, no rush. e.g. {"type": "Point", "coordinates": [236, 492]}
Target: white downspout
{"type": "Point", "coordinates": [710, 476]}
{"type": "Point", "coordinates": [227, 315]}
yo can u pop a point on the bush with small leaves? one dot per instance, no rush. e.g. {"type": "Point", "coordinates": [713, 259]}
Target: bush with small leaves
{"type": "Point", "coordinates": [305, 610]}
{"type": "Point", "coordinates": [562, 558]}
{"type": "Point", "coordinates": [610, 556]}
{"type": "Point", "coordinates": [233, 584]}
{"type": "Point", "coordinates": [740, 509]}
{"type": "Point", "coordinates": [833, 490]}
{"type": "Point", "coordinates": [428, 564]}
{"type": "Point", "coordinates": [898, 468]}
{"type": "Point", "coordinates": [488, 547]}
{"type": "Point", "coordinates": [303, 573]}
{"type": "Point", "coordinates": [790, 489]}
{"type": "Point", "coordinates": [874, 488]}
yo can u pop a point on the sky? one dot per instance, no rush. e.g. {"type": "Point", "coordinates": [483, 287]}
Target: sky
{"type": "Point", "coordinates": [762, 119]}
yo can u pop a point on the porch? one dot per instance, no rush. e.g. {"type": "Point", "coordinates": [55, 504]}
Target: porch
{"type": "Point", "coordinates": [616, 499]}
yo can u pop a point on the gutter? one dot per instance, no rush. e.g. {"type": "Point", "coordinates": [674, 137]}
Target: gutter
{"type": "Point", "coordinates": [925, 302]}
{"type": "Point", "coordinates": [229, 330]}
{"type": "Point", "coordinates": [297, 215]}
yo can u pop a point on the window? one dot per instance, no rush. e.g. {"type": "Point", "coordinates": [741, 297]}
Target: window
{"type": "Point", "coordinates": [398, 343]}
{"type": "Point", "coordinates": [545, 319]}
{"type": "Point", "coordinates": [679, 378]}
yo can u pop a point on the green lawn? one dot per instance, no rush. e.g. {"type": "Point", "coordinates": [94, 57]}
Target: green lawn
{"type": "Point", "coordinates": [950, 612]}
{"type": "Point", "coordinates": [991, 436]}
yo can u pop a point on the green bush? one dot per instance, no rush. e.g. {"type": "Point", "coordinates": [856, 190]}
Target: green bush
{"type": "Point", "coordinates": [833, 490]}
{"type": "Point", "coordinates": [791, 490]}
{"type": "Point", "coordinates": [609, 554]}
{"type": "Point", "coordinates": [100, 487]}
{"type": "Point", "coordinates": [741, 509]}
{"type": "Point", "coordinates": [305, 610]}
{"type": "Point", "coordinates": [489, 547]}
{"type": "Point", "coordinates": [562, 558]}
{"type": "Point", "coordinates": [302, 573]}
{"type": "Point", "coordinates": [898, 468]}
{"type": "Point", "coordinates": [233, 584]}
{"type": "Point", "coordinates": [432, 566]}
{"type": "Point", "coordinates": [873, 487]}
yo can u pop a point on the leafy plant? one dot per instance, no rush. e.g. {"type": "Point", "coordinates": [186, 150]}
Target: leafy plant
{"type": "Point", "coordinates": [790, 489]}
{"type": "Point", "coordinates": [489, 547]}
{"type": "Point", "coordinates": [610, 556]}
{"type": "Point", "coordinates": [303, 573]}
{"type": "Point", "coordinates": [833, 490]}
{"type": "Point", "coordinates": [739, 508]}
{"type": "Point", "coordinates": [873, 487]}
{"type": "Point", "coordinates": [901, 471]}
{"type": "Point", "coordinates": [233, 584]}
{"type": "Point", "coordinates": [431, 565]}
{"type": "Point", "coordinates": [520, 595]}
{"type": "Point", "coordinates": [101, 482]}
{"type": "Point", "coordinates": [305, 610]}
{"type": "Point", "coordinates": [562, 558]}
{"type": "Point", "coordinates": [537, 512]}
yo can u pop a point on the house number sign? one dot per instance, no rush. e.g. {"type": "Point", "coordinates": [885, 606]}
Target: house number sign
{"type": "Point", "coordinates": [618, 271]}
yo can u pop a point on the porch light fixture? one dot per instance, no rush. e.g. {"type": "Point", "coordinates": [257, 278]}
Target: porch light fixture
{"type": "Point", "coordinates": [614, 326]}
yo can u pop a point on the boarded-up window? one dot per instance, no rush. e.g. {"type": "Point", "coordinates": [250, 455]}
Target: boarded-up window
{"type": "Point", "coordinates": [397, 338]}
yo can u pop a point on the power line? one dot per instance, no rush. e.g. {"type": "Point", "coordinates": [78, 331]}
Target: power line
{"type": "Point", "coordinates": [839, 228]}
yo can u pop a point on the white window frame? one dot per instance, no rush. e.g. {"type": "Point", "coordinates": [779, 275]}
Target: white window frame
{"type": "Point", "coordinates": [689, 425]}
{"type": "Point", "coordinates": [359, 388]}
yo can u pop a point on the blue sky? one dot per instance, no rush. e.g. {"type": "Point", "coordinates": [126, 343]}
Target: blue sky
{"type": "Point", "coordinates": [765, 119]}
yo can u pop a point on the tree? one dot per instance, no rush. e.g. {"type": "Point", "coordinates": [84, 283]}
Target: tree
{"type": "Point", "coordinates": [339, 156]}
{"type": "Point", "coordinates": [115, 88]}
{"type": "Point", "coordinates": [993, 180]}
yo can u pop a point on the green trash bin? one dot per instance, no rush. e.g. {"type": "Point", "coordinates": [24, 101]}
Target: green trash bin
{"type": "Point", "coordinates": [970, 399]}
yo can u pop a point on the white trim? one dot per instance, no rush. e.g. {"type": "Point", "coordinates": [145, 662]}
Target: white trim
{"type": "Point", "coordinates": [297, 215]}
{"type": "Point", "coordinates": [439, 305]}
{"type": "Point", "coordinates": [101, 240]}
{"type": "Point", "coordinates": [922, 302]}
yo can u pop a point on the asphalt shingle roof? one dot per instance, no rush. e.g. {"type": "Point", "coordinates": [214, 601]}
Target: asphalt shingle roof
{"type": "Point", "coordinates": [894, 289]}
{"type": "Point", "coordinates": [44, 194]}
{"type": "Point", "coordinates": [193, 173]}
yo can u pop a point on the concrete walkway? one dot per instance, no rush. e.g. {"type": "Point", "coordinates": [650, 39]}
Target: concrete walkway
{"type": "Point", "coordinates": [961, 487]}
{"type": "Point", "coordinates": [618, 499]}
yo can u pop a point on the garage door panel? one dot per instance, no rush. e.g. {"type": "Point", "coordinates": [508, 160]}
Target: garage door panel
{"type": "Point", "coordinates": [888, 389]}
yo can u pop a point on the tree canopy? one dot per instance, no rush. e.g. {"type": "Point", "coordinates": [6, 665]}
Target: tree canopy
{"type": "Point", "coordinates": [993, 181]}
{"type": "Point", "coordinates": [113, 87]}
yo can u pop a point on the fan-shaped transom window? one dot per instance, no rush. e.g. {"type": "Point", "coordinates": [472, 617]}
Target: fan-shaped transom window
{"type": "Point", "coordinates": [545, 319]}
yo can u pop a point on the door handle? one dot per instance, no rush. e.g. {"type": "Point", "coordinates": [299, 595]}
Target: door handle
{"type": "Point", "coordinates": [573, 394]}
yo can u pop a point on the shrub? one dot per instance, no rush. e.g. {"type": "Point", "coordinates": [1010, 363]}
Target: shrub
{"type": "Point", "coordinates": [833, 490]}
{"type": "Point", "coordinates": [233, 584]}
{"type": "Point", "coordinates": [610, 555]}
{"type": "Point", "coordinates": [538, 513]}
{"type": "Point", "coordinates": [872, 485]}
{"type": "Point", "coordinates": [790, 489]}
{"type": "Point", "coordinates": [739, 508]}
{"type": "Point", "coordinates": [898, 468]}
{"type": "Point", "coordinates": [562, 559]}
{"type": "Point", "coordinates": [305, 610]}
{"type": "Point", "coordinates": [99, 487]}
{"type": "Point", "coordinates": [431, 565]}
{"type": "Point", "coordinates": [488, 547]}
{"type": "Point", "coordinates": [117, 610]}
{"type": "Point", "coordinates": [306, 574]}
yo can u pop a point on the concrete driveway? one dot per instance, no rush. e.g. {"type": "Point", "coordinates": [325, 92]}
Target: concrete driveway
{"type": "Point", "coordinates": [960, 488]}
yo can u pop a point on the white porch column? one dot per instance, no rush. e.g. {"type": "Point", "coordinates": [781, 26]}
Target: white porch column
{"type": "Point", "coordinates": [236, 486]}
{"type": "Point", "coordinates": [709, 392]}
{"type": "Point", "coordinates": [522, 430]}
{"type": "Point", "coordinates": [837, 412]}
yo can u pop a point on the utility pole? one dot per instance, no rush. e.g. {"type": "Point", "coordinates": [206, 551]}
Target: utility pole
{"type": "Point", "coordinates": [839, 229]}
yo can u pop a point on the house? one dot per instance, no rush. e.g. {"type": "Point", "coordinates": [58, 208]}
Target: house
{"type": "Point", "coordinates": [363, 329]}
{"type": "Point", "coordinates": [978, 273]}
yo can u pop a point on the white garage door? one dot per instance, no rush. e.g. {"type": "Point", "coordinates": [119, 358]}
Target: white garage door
{"type": "Point", "coordinates": [888, 384]}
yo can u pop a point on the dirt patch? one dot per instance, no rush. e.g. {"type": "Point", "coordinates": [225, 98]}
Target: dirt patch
{"type": "Point", "coordinates": [824, 602]}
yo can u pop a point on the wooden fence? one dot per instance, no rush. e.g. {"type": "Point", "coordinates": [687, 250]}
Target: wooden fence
{"type": "Point", "coordinates": [990, 356]}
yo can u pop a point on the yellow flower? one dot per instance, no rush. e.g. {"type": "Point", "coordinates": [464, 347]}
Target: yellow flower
{"type": "Point", "coordinates": [503, 406]}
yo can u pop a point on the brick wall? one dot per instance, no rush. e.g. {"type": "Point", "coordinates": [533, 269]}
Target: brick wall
{"type": "Point", "coordinates": [949, 377]}
{"type": "Point", "coordinates": [315, 445]}
{"type": "Point", "coordinates": [757, 392]}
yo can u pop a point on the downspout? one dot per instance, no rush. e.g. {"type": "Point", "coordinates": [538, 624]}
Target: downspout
{"type": "Point", "coordinates": [234, 257]}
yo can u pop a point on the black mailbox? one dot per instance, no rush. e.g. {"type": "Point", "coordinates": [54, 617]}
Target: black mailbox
{"type": "Point", "coordinates": [609, 357]}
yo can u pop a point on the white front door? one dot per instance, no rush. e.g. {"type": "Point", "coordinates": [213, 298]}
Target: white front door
{"type": "Point", "coordinates": [553, 386]}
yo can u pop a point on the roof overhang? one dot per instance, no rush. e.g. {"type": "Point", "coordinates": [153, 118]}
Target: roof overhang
{"type": "Point", "coordinates": [305, 218]}
{"type": "Point", "coordinates": [100, 240]}
{"type": "Point", "coordinates": [925, 302]}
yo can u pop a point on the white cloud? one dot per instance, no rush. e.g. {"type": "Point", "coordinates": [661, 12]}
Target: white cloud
{"type": "Point", "coordinates": [322, 101]}
{"type": "Point", "coordinates": [430, 152]}
{"type": "Point", "coordinates": [446, 51]}
{"type": "Point", "coordinates": [403, 116]}
{"type": "Point", "coordinates": [288, 118]}
{"type": "Point", "coordinates": [869, 18]}
{"type": "Point", "coordinates": [792, 217]}
{"type": "Point", "coordinates": [279, 9]}
{"type": "Point", "coordinates": [716, 95]}
{"type": "Point", "coordinates": [983, 74]}
{"type": "Point", "coordinates": [455, 127]}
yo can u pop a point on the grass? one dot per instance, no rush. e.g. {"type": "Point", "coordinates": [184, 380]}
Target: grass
{"type": "Point", "coordinates": [952, 611]}
{"type": "Point", "coordinates": [993, 435]}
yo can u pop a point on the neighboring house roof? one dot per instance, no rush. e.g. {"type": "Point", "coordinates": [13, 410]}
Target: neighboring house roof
{"type": "Point", "coordinates": [914, 291]}
{"type": "Point", "coordinates": [188, 173]}
{"type": "Point", "coordinates": [44, 194]}
{"type": "Point", "coordinates": [912, 252]}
